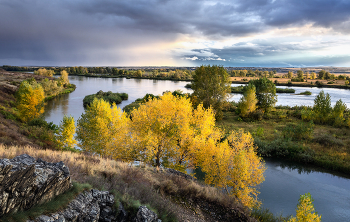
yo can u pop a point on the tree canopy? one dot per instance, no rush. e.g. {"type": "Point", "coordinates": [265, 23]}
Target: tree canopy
{"type": "Point", "coordinates": [265, 93]}
{"type": "Point", "coordinates": [30, 100]}
{"type": "Point", "coordinates": [211, 86]}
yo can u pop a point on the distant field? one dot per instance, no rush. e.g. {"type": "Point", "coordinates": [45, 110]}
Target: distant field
{"type": "Point", "coordinates": [285, 80]}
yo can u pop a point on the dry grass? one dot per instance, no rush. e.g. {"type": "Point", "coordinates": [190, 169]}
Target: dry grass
{"type": "Point", "coordinates": [172, 196]}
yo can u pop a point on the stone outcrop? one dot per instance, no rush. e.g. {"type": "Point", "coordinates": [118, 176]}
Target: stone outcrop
{"type": "Point", "coordinates": [89, 206]}
{"type": "Point", "coordinates": [146, 215]}
{"type": "Point", "coordinates": [25, 182]}
{"type": "Point", "coordinates": [97, 206]}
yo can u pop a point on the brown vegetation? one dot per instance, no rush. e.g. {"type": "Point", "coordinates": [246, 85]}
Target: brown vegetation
{"type": "Point", "coordinates": [171, 195]}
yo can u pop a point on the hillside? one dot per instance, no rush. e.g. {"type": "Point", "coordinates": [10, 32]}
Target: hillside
{"type": "Point", "coordinates": [174, 196]}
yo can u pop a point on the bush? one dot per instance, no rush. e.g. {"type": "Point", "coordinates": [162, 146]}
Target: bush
{"type": "Point", "coordinates": [40, 122]}
{"type": "Point", "coordinates": [297, 80]}
{"type": "Point", "coordinates": [307, 114]}
{"type": "Point", "coordinates": [331, 82]}
{"type": "Point", "coordinates": [329, 140]}
{"type": "Point", "coordinates": [319, 83]}
{"type": "Point", "coordinates": [308, 93]}
{"type": "Point", "coordinates": [301, 131]}
{"type": "Point", "coordinates": [286, 90]}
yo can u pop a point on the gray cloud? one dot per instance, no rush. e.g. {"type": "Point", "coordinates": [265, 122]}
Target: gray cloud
{"type": "Point", "coordinates": [92, 32]}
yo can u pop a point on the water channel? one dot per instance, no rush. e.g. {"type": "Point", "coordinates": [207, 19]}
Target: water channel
{"type": "Point", "coordinates": [283, 183]}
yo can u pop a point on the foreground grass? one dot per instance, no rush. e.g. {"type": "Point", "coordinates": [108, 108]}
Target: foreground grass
{"type": "Point", "coordinates": [172, 197]}
{"type": "Point", "coordinates": [327, 147]}
{"type": "Point", "coordinates": [57, 204]}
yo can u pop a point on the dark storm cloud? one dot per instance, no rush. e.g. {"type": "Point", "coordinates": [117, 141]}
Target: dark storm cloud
{"type": "Point", "coordinates": [78, 31]}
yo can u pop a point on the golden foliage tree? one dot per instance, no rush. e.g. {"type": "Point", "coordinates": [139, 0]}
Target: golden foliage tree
{"type": "Point", "coordinates": [248, 102]}
{"type": "Point", "coordinates": [30, 100]}
{"type": "Point", "coordinates": [66, 130]}
{"type": "Point", "coordinates": [101, 126]}
{"type": "Point", "coordinates": [233, 165]}
{"type": "Point", "coordinates": [50, 87]}
{"type": "Point", "coordinates": [163, 130]}
{"type": "Point", "coordinates": [64, 77]}
{"type": "Point", "coordinates": [305, 210]}
{"type": "Point", "coordinates": [44, 72]}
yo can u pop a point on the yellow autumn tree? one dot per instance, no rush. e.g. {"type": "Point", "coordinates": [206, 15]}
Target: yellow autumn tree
{"type": "Point", "coordinates": [305, 210]}
{"type": "Point", "coordinates": [101, 126]}
{"type": "Point", "coordinates": [44, 72]}
{"type": "Point", "coordinates": [30, 100]}
{"type": "Point", "coordinates": [248, 102]}
{"type": "Point", "coordinates": [64, 77]}
{"type": "Point", "coordinates": [163, 130]}
{"type": "Point", "coordinates": [233, 165]}
{"type": "Point", "coordinates": [66, 131]}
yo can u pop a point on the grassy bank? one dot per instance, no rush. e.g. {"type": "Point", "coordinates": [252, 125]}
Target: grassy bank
{"type": "Point", "coordinates": [173, 197]}
{"type": "Point", "coordinates": [282, 134]}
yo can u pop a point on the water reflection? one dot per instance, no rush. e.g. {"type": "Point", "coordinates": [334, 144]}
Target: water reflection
{"type": "Point", "coordinates": [285, 182]}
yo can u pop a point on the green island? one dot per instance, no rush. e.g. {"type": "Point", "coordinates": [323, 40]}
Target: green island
{"type": "Point", "coordinates": [110, 97]}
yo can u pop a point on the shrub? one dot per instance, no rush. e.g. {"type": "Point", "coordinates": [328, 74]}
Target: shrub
{"type": "Point", "coordinates": [301, 131]}
{"type": "Point", "coordinates": [305, 93]}
{"type": "Point", "coordinates": [307, 114]}
{"type": "Point", "coordinates": [319, 83]}
{"type": "Point", "coordinates": [328, 140]}
{"type": "Point", "coordinates": [286, 90]}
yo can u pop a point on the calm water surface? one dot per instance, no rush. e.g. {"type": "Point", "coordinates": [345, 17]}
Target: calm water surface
{"type": "Point", "coordinates": [283, 184]}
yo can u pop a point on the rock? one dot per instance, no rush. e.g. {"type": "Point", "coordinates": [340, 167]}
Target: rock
{"type": "Point", "coordinates": [89, 206]}
{"type": "Point", "coordinates": [122, 215]}
{"type": "Point", "coordinates": [25, 182]}
{"type": "Point", "coordinates": [146, 215]}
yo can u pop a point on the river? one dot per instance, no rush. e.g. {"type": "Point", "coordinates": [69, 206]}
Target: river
{"type": "Point", "coordinates": [283, 185]}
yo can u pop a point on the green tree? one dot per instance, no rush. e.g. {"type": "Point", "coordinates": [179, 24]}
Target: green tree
{"type": "Point", "coordinates": [66, 131]}
{"type": "Point", "coordinates": [338, 113]}
{"type": "Point", "coordinates": [300, 74]}
{"type": "Point", "coordinates": [321, 74]}
{"type": "Point", "coordinates": [265, 93]}
{"type": "Point", "coordinates": [322, 107]}
{"type": "Point", "coordinates": [248, 102]}
{"type": "Point", "coordinates": [211, 86]}
{"type": "Point", "coordinates": [305, 210]}
{"type": "Point", "coordinates": [30, 100]}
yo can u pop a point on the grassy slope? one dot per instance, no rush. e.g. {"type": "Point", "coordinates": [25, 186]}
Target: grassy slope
{"type": "Point", "coordinates": [172, 197]}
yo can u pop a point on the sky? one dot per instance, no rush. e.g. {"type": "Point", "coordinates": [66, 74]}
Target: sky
{"type": "Point", "coordinates": [237, 33]}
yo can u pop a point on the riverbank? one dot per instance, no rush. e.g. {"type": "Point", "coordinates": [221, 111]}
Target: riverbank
{"type": "Point", "coordinates": [338, 84]}
{"type": "Point", "coordinates": [282, 134]}
{"type": "Point", "coordinates": [37, 133]}
{"type": "Point", "coordinates": [173, 197]}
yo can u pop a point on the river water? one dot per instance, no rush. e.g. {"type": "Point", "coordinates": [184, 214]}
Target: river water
{"type": "Point", "coordinates": [283, 185]}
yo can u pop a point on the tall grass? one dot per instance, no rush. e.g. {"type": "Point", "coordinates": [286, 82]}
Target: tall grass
{"type": "Point", "coordinates": [172, 197]}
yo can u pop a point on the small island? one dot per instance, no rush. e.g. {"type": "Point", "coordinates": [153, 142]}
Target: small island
{"type": "Point", "coordinates": [107, 96]}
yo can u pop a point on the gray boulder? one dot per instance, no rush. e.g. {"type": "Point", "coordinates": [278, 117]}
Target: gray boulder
{"type": "Point", "coordinates": [89, 206]}
{"type": "Point", "coordinates": [146, 215]}
{"type": "Point", "coordinates": [25, 182]}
